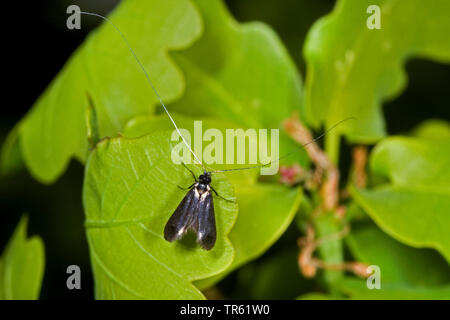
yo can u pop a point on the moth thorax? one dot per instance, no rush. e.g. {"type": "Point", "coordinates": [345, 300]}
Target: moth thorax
{"type": "Point", "coordinates": [202, 188]}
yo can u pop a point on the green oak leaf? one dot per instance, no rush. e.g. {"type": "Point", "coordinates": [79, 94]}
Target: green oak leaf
{"type": "Point", "coordinates": [352, 69]}
{"type": "Point", "coordinates": [54, 130]}
{"type": "Point", "coordinates": [240, 72]}
{"type": "Point", "coordinates": [22, 265]}
{"type": "Point", "coordinates": [265, 209]}
{"type": "Point", "coordinates": [130, 191]}
{"type": "Point", "coordinates": [413, 208]}
{"type": "Point", "coordinates": [399, 264]}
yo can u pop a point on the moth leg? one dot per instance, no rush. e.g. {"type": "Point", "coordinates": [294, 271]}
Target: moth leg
{"type": "Point", "coordinates": [229, 200]}
{"type": "Point", "coordinates": [193, 174]}
{"type": "Point", "coordinates": [188, 188]}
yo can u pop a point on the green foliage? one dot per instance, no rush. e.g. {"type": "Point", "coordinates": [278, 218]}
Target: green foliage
{"type": "Point", "coordinates": [10, 155]}
{"type": "Point", "coordinates": [130, 191]}
{"type": "Point", "coordinates": [231, 71]}
{"type": "Point", "coordinates": [55, 130]}
{"type": "Point", "coordinates": [22, 265]}
{"type": "Point", "coordinates": [405, 271]}
{"type": "Point", "coordinates": [276, 278]}
{"type": "Point", "coordinates": [207, 66]}
{"type": "Point", "coordinates": [331, 251]}
{"type": "Point", "coordinates": [257, 201]}
{"type": "Point", "coordinates": [352, 69]}
{"type": "Point", "coordinates": [433, 129]}
{"type": "Point", "coordinates": [413, 207]}
{"type": "Point", "coordinates": [357, 290]}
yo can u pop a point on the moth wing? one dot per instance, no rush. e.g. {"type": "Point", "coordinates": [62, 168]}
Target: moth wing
{"type": "Point", "coordinates": [205, 226]}
{"type": "Point", "coordinates": [182, 218]}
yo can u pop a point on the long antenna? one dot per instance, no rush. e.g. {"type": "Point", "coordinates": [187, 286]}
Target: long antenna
{"type": "Point", "coordinates": [148, 79]}
{"type": "Point", "coordinates": [288, 154]}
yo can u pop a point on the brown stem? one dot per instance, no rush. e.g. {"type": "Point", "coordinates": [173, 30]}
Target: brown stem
{"type": "Point", "coordinates": [359, 166]}
{"type": "Point", "coordinates": [323, 165]}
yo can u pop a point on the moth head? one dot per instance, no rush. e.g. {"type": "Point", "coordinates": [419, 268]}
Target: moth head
{"type": "Point", "coordinates": [205, 178]}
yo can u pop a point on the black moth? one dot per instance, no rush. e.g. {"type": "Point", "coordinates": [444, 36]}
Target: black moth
{"type": "Point", "coordinates": [195, 212]}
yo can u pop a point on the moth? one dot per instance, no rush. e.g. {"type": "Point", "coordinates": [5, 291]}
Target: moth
{"type": "Point", "coordinates": [196, 210]}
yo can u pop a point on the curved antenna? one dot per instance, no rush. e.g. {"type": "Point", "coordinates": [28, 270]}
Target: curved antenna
{"type": "Point", "coordinates": [148, 80]}
{"type": "Point", "coordinates": [288, 154]}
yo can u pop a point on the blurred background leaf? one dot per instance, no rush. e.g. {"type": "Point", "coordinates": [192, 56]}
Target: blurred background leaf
{"type": "Point", "coordinates": [22, 265]}
{"type": "Point", "coordinates": [433, 129]}
{"type": "Point", "coordinates": [357, 289]}
{"type": "Point", "coordinates": [399, 264]}
{"type": "Point", "coordinates": [413, 207]}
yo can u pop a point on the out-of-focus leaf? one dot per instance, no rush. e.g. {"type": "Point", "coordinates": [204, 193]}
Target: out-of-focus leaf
{"type": "Point", "coordinates": [130, 191]}
{"type": "Point", "coordinates": [240, 72]}
{"type": "Point", "coordinates": [399, 264]}
{"type": "Point", "coordinates": [265, 210]}
{"type": "Point", "coordinates": [10, 155]}
{"type": "Point", "coordinates": [22, 266]}
{"type": "Point", "coordinates": [434, 129]}
{"type": "Point", "coordinates": [352, 69]}
{"type": "Point", "coordinates": [54, 130]}
{"type": "Point", "coordinates": [318, 296]}
{"type": "Point", "coordinates": [357, 289]}
{"type": "Point", "coordinates": [274, 277]}
{"type": "Point", "coordinates": [414, 207]}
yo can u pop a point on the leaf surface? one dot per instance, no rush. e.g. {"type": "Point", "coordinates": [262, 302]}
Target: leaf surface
{"type": "Point", "coordinates": [352, 69]}
{"type": "Point", "coordinates": [401, 265]}
{"type": "Point", "coordinates": [22, 265]}
{"type": "Point", "coordinates": [130, 191]}
{"type": "Point", "coordinates": [413, 207]}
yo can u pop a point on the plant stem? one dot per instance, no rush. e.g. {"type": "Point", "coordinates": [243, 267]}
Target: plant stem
{"type": "Point", "coordinates": [332, 143]}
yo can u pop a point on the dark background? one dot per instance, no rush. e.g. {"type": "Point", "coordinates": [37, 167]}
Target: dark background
{"type": "Point", "coordinates": [35, 45]}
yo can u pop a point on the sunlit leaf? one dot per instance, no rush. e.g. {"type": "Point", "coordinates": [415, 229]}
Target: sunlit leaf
{"type": "Point", "coordinates": [352, 69]}
{"type": "Point", "coordinates": [130, 192]}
